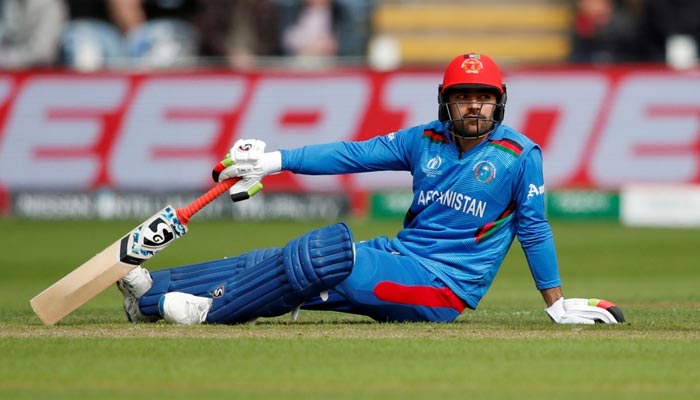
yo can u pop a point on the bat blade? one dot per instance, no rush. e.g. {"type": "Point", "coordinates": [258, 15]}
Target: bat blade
{"type": "Point", "coordinates": [108, 266]}
{"type": "Point", "coordinates": [81, 285]}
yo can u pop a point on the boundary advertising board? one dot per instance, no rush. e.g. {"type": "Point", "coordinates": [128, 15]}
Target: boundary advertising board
{"type": "Point", "coordinates": [599, 128]}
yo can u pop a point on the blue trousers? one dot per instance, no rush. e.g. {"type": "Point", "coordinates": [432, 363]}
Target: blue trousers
{"type": "Point", "coordinates": [390, 287]}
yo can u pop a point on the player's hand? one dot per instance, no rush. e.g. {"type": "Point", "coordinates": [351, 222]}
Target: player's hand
{"type": "Point", "coordinates": [242, 161]}
{"type": "Point", "coordinates": [584, 311]}
{"type": "Point", "coordinates": [245, 189]}
{"type": "Point", "coordinates": [247, 159]}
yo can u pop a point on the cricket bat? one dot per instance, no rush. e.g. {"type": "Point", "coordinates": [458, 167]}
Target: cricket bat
{"type": "Point", "coordinates": [117, 260]}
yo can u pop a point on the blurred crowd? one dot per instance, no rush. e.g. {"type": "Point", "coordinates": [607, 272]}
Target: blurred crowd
{"type": "Point", "coordinates": [634, 31]}
{"type": "Point", "coordinates": [95, 34]}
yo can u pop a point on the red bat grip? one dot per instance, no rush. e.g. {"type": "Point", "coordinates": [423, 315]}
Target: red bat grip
{"type": "Point", "coordinates": [185, 213]}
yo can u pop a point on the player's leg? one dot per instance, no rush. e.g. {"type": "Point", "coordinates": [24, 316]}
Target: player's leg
{"type": "Point", "coordinates": [305, 267]}
{"type": "Point", "coordinates": [142, 289]}
{"type": "Point", "coordinates": [386, 286]}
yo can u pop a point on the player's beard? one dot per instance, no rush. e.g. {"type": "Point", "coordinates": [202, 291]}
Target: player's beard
{"type": "Point", "coordinates": [472, 126]}
{"type": "Point", "coordinates": [474, 123]}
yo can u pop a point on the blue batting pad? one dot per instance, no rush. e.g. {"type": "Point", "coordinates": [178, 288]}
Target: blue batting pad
{"type": "Point", "coordinates": [305, 267]}
{"type": "Point", "coordinates": [197, 279]}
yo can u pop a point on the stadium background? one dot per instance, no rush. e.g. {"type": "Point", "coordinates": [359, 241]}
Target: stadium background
{"type": "Point", "coordinates": [91, 146]}
{"type": "Point", "coordinates": [114, 138]}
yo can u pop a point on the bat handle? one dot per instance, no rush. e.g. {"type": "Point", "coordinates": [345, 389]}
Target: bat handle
{"type": "Point", "coordinates": [185, 213]}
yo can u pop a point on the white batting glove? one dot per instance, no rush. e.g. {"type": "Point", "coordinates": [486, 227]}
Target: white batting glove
{"type": "Point", "coordinates": [584, 311]}
{"type": "Point", "coordinates": [247, 160]}
{"type": "Point", "coordinates": [245, 189]}
{"type": "Point", "coordinates": [242, 161]}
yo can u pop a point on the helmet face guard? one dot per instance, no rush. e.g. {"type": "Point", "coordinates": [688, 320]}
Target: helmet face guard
{"type": "Point", "coordinates": [472, 71]}
{"type": "Point", "coordinates": [479, 122]}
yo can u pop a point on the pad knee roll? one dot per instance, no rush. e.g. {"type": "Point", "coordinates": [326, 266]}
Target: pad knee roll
{"type": "Point", "coordinates": [319, 260]}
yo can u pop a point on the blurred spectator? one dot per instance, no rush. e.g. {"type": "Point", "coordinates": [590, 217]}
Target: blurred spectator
{"type": "Point", "coordinates": [325, 27]}
{"type": "Point", "coordinates": [128, 33]}
{"type": "Point", "coordinates": [673, 28]}
{"type": "Point", "coordinates": [237, 32]}
{"type": "Point", "coordinates": [607, 31]}
{"type": "Point", "coordinates": [30, 32]}
{"type": "Point", "coordinates": [159, 33]}
{"type": "Point", "coordinates": [91, 40]}
{"type": "Point", "coordinates": [313, 33]}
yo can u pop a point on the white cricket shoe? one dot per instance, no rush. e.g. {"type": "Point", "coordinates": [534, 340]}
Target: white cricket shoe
{"type": "Point", "coordinates": [132, 286]}
{"type": "Point", "coordinates": [136, 283]}
{"type": "Point", "coordinates": [183, 308]}
{"type": "Point", "coordinates": [133, 312]}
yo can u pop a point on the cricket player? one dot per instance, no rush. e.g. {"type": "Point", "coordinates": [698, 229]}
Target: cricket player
{"type": "Point", "coordinates": [477, 184]}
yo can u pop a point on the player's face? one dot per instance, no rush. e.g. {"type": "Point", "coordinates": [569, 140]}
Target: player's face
{"type": "Point", "coordinates": [475, 110]}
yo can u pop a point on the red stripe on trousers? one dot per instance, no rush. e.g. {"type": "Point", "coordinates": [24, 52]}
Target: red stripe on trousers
{"type": "Point", "coordinates": [418, 295]}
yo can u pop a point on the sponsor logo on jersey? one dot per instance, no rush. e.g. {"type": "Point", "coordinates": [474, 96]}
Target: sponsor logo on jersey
{"type": "Point", "coordinates": [391, 136]}
{"type": "Point", "coordinates": [451, 199]}
{"type": "Point", "coordinates": [484, 171]}
{"type": "Point", "coordinates": [534, 191]}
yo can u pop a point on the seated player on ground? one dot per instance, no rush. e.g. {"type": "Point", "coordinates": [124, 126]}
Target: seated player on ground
{"type": "Point", "coordinates": [477, 184]}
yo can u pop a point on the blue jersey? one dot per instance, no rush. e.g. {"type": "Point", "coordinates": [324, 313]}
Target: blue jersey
{"type": "Point", "coordinates": [467, 207]}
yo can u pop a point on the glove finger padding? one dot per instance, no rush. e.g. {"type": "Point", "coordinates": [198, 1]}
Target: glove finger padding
{"type": "Point", "coordinates": [600, 311]}
{"type": "Point", "coordinates": [585, 311]}
{"type": "Point", "coordinates": [245, 189]}
{"type": "Point", "coordinates": [220, 167]}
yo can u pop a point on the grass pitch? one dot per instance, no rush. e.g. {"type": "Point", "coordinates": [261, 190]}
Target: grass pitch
{"type": "Point", "coordinates": [505, 349]}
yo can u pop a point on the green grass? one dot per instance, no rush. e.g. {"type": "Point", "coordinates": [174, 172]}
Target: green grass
{"type": "Point", "coordinates": [505, 349]}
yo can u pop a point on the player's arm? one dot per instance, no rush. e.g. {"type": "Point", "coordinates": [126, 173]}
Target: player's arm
{"type": "Point", "coordinates": [247, 158]}
{"type": "Point", "coordinates": [381, 153]}
{"type": "Point", "coordinates": [532, 228]}
{"type": "Point", "coordinates": [535, 236]}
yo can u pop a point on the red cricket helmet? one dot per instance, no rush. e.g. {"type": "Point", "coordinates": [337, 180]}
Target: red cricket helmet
{"type": "Point", "coordinates": [469, 71]}
{"type": "Point", "coordinates": [472, 69]}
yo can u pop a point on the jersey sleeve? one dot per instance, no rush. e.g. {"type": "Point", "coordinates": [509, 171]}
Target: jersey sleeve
{"type": "Point", "coordinates": [532, 228]}
{"type": "Point", "coordinates": [389, 152]}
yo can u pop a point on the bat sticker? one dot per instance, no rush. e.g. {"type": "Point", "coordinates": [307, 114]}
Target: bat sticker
{"type": "Point", "coordinates": [156, 235]}
{"type": "Point", "coordinates": [151, 237]}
